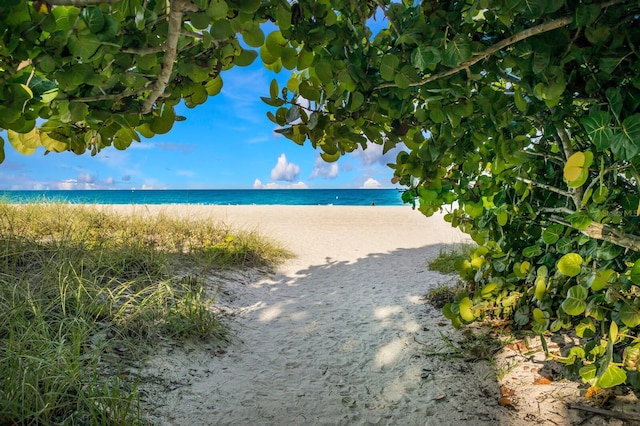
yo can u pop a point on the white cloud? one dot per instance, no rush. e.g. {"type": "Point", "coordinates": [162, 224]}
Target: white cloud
{"type": "Point", "coordinates": [284, 170]}
{"type": "Point", "coordinates": [324, 170]}
{"type": "Point", "coordinates": [86, 178]}
{"type": "Point", "coordinates": [257, 184]}
{"type": "Point", "coordinates": [371, 183]}
{"type": "Point", "coordinates": [373, 154]}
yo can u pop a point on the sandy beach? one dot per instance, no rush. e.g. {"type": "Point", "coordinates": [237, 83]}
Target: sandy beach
{"type": "Point", "coordinates": [341, 335]}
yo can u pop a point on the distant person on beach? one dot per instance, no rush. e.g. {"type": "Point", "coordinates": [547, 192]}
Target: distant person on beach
{"type": "Point", "coordinates": [373, 203]}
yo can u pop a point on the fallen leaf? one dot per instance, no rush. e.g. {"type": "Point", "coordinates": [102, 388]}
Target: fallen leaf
{"type": "Point", "coordinates": [542, 381]}
{"type": "Point", "coordinates": [505, 401]}
{"type": "Point", "coordinates": [505, 391]}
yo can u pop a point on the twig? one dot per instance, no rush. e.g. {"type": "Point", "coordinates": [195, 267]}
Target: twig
{"type": "Point", "coordinates": [545, 186]}
{"type": "Point", "coordinates": [522, 35]}
{"type": "Point", "coordinates": [173, 34]}
{"type": "Point", "coordinates": [601, 411]}
{"type": "Point", "coordinates": [145, 50]}
{"type": "Point", "coordinates": [106, 97]}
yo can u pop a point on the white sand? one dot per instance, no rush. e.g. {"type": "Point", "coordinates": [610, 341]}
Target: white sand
{"type": "Point", "coordinates": [340, 334]}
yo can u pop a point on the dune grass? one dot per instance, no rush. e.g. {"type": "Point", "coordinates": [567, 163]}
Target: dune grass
{"type": "Point", "coordinates": [80, 286]}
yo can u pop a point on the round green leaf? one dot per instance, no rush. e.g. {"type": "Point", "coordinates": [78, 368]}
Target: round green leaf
{"type": "Point", "coordinates": [634, 273]}
{"type": "Point", "coordinates": [575, 302]}
{"type": "Point", "coordinates": [162, 123]}
{"type": "Point", "coordinates": [253, 36]}
{"type": "Point", "coordinates": [570, 264]}
{"type": "Point", "coordinates": [388, 66]}
{"type": "Point", "coordinates": [630, 315]}
{"type": "Point", "coordinates": [466, 309]}
{"type": "Point", "coordinates": [612, 376]}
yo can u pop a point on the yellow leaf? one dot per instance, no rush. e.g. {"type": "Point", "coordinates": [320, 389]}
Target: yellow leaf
{"type": "Point", "coordinates": [574, 166]}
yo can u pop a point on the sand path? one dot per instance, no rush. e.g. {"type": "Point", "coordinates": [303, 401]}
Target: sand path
{"type": "Point", "coordinates": [339, 335]}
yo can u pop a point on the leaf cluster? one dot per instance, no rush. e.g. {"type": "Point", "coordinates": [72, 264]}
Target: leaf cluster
{"type": "Point", "coordinates": [526, 116]}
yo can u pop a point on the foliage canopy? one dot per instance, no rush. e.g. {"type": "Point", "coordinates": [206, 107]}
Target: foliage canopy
{"type": "Point", "coordinates": [523, 113]}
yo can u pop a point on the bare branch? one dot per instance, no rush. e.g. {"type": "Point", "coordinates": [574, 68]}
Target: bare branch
{"type": "Point", "coordinates": [600, 231]}
{"type": "Point", "coordinates": [547, 187]}
{"type": "Point", "coordinates": [600, 411]}
{"type": "Point", "coordinates": [522, 35]}
{"type": "Point", "coordinates": [145, 50]}
{"type": "Point", "coordinates": [106, 97]}
{"type": "Point", "coordinates": [175, 25]}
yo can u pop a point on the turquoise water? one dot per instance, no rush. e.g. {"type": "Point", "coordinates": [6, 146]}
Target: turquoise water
{"type": "Point", "coordinates": [301, 197]}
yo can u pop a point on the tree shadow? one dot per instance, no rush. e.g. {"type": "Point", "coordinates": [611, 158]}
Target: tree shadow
{"type": "Point", "coordinates": [346, 342]}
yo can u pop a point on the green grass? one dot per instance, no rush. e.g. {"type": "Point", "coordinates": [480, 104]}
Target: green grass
{"type": "Point", "coordinates": [78, 285]}
{"type": "Point", "coordinates": [445, 262]}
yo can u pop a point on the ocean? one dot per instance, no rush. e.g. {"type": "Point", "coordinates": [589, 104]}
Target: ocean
{"type": "Point", "coordinates": [299, 197]}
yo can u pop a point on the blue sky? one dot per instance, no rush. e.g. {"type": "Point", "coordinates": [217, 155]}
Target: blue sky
{"type": "Point", "coordinates": [226, 143]}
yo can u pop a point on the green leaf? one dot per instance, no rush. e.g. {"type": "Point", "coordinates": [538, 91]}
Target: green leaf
{"type": "Point", "coordinates": [466, 309]}
{"type": "Point", "coordinates": [612, 376]}
{"type": "Point", "coordinates": [245, 58]}
{"type": "Point", "coordinates": [457, 51]}
{"type": "Point", "coordinates": [601, 279]}
{"type": "Point", "coordinates": [51, 144]}
{"type": "Point", "coordinates": [575, 302]}
{"type": "Point", "coordinates": [626, 144]}
{"type": "Point", "coordinates": [163, 122]}
{"type": "Point", "coordinates": [24, 143]}
{"type": "Point", "coordinates": [357, 100]}
{"type": "Point", "coordinates": [323, 71]}
{"type": "Point", "coordinates": [588, 374]}
{"type": "Point", "coordinates": [93, 18]}
{"type": "Point", "coordinates": [83, 47]}
{"type": "Point", "coordinates": [217, 9]}
{"type": "Point", "coordinates": [597, 126]}
{"type": "Point", "coordinates": [541, 288]}
{"type": "Point", "coordinates": [425, 57]}
{"type": "Point", "coordinates": [220, 29]}
{"type": "Point", "coordinates": [253, 36]}
{"type": "Point", "coordinates": [388, 67]}
{"type": "Point", "coordinates": [552, 234]}
{"type": "Point", "coordinates": [634, 273]}
{"type": "Point", "coordinates": [532, 251]}
{"type": "Point", "coordinates": [570, 264]}
{"type": "Point", "coordinates": [520, 102]}
{"type": "Point", "coordinates": [629, 315]}
{"type": "Point", "coordinates": [213, 86]}
{"type": "Point", "coordinates": [275, 43]}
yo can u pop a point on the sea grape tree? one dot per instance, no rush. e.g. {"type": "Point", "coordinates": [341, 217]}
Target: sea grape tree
{"type": "Point", "coordinates": [522, 113]}
{"type": "Point", "coordinates": [101, 73]}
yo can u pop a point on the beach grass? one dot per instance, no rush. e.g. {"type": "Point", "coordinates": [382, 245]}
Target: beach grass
{"type": "Point", "coordinates": [82, 289]}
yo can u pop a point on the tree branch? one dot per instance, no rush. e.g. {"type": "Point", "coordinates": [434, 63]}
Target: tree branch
{"type": "Point", "coordinates": [173, 34]}
{"type": "Point", "coordinates": [145, 50]}
{"type": "Point", "coordinates": [547, 187]}
{"type": "Point", "coordinates": [106, 97]}
{"type": "Point", "coordinates": [600, 231]}
{"type": "Point", "coordinates": [522, 35]}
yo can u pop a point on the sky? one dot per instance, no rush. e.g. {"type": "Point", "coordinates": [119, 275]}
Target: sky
{"type": "Point", "coordinates": [226, 143]}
